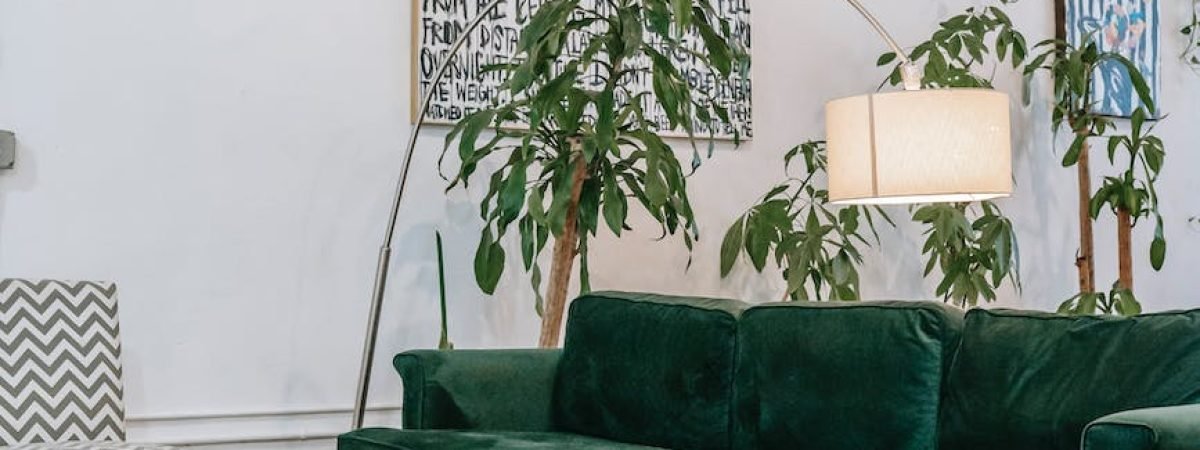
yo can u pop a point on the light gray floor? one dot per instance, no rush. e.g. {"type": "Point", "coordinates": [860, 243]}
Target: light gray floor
{"type": "Point", "coordinates": [308, 445]}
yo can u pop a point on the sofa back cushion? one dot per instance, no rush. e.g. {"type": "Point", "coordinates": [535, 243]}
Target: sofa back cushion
{"type": "Point", "coordinates": [1033, 380]}
{"type": "Point", "coordinates": [834, 376]}
{"type": "Point", "coordinates": [648, 369]}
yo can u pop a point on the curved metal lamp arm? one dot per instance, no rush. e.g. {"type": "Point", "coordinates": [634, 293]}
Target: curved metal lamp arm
{"type": "Point", "coordinates": [385, 250]}
{"type": "Point", "coordinates": [909, 72]}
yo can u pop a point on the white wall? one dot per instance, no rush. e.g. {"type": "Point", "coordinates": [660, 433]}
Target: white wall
{"type": "Point", "coordinates": [228, 163]}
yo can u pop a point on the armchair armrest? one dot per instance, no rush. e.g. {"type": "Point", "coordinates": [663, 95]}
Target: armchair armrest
{"type": "Point", "coordinates": [478, 389]}
{"type": "Point", "coordinates": [1167, 428]}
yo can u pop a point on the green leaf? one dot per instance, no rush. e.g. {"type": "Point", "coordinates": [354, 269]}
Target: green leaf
{"type": "Point", "coordinates": [615, 205]}
{"type": "Point", "coordinates": [1138, 81]}
{"type": "Point", "coordinates": [1135, 124]}
{"type": "Point", "coordinates": [1127, 304]}
{"type": "Point", "coordinates": [1068, 306]}
{"type": "Point", "coordinates": [757, 241]}
{"type": "Point", "coordinates": [1113, 143]}
{"type": "Point", "coordinates": [1003, 252]}
{"type": "Point", "coordinates": [1098, 200]}
{"type": "Point", "coordinates": [657, 154]}
{"type": "Point", "coordinates": [605, 116]}
{"type": "Point", "coordinates": [528, 244]}
{"type": "Point", "coordinates": [535, 282]}
{"type": "Point", "coordinates": [886, 59]}
{"type": "Point", "coordinates": [535, 206]}
{"type": "Point", "coordinates": [719, 53]}
{"type": "Point", "coordinates": [732, 245]}
{"type": "Point", "coordinates": [585, 277]}
{"type": "Point", "coordinates": [682, 16]}
{"type": "Point", "coordinates": [489, 262]}
{"type": "Point", "coordinates": [556, 216]}
{"type": "Point", "coordinates": [577, 101]}
{"type": "Point", "coordinates": [1087, 303]}
{"type": "Point", "coordinates": [842, 268]}
{"type": "Point", "coordinates": [658, 14]}
{"type": "Point", "coordinates": [849, 219]}
{"type": "Point", "coordinates": [1072, 155]}
{"type": "Point", "coordinates": [470, 134]}
{"type": "Point", "coordinates": [1158, 253]}
{"type": "Point", "coordinates": [551, 16]}
{"type": "Point", "coordinates": [512, 195]}
{"type": "Point", "coordinates": [589, 206]}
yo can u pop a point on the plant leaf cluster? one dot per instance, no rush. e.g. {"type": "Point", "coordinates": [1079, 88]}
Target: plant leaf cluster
{"type": "Point", "coordinates": [975, 248]}
{"type": "Point", "coordinates": [974, 256]}
{"type": "Point", "coordinates": [558, 116]}
{"type": "Point", "coordinates": [814, 243]}
{"type": "Point", "coordinates": [1116, 301]}
{"type": "Point", "coordinates": [961, 44]}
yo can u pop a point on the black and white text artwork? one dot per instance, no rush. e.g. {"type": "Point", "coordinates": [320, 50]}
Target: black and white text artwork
{"type": "Point", "coordinates": [437, 23]}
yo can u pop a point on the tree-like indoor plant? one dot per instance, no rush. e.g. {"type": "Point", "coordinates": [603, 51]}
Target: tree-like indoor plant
{"type": "Point", "coordinates": [575, 143]}
{"type": "Point", "coordinates": [1130, 195]}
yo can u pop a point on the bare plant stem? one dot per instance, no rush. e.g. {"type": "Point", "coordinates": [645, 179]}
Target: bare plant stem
{"type": "Point", "coordinates": [1125, 248]}
{"type": "Point", "coordinates": [1086, 262]}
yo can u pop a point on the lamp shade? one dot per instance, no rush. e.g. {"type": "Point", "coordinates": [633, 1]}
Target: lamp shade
{"type": "Point", "coordinates": [923, 146]}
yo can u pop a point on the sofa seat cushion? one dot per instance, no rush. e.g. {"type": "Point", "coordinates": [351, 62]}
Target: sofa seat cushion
{"type": "Point", "coordinates": [834, 376]}
{"type": "Point", "coordinates": [389, 439]}
{"type": "Point", "coordinates": [1034, 380]}
{"type": "Point", "coordinates": [648, 369]}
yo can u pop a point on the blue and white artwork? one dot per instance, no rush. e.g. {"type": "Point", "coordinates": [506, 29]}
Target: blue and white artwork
{"type": "Point", "coordinates": [1128, 27]}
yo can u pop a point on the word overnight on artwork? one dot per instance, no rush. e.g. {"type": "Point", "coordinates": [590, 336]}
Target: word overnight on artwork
{"type": "Point", "coordinates": [466, 88]}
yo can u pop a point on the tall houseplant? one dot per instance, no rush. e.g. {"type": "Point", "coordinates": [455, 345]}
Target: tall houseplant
{"type": "Point", "coordinates": [573, 153]}
{"type": "Point", "coordinates": [1130, 195]}
{"type": "Point", "coordinates": [973, 245]}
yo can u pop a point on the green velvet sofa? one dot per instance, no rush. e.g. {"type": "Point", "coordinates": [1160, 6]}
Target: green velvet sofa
{"type": "Point", "coordinates": [652, 371]}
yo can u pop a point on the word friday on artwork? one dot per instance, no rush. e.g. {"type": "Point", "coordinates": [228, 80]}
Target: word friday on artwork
{"type": "Point", "coordinates": [467, 87]}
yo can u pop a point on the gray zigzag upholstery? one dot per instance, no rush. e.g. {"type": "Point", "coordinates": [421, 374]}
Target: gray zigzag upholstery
{"type": "Point", "coordinates": [60, 367]}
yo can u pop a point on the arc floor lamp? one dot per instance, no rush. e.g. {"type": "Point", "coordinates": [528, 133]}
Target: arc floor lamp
{"type": "Point", "coordinates": [912, 146]}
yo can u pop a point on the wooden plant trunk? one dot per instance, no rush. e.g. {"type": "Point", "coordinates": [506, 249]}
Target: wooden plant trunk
{"type": "Point", "coordinates": [1125, 248]}
{"type": "Point", "coordinates": [1086, 262]}
{"type": "Point", "coordinates": [566, 247]}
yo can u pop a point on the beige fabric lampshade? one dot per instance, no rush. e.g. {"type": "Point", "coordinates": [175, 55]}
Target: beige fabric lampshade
{"type": "Point", "coordinates": [924, 146]}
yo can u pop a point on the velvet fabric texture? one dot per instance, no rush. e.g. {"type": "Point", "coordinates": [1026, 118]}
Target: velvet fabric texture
{"type": "Point", "coordinates": [1168, 428]}
{"type": "Point", "coordinates": [649, 369]}
{"type": "Point", "coordinates": [696, 373]}
{"type": "Point", "coordinates": [387, 439]}
{"type": "Point", "coordinates": [1029, 380]}
{"type": "Point", "coordinates": [478, 389]}
{"type": "Point", "coordinates": [842, 376]}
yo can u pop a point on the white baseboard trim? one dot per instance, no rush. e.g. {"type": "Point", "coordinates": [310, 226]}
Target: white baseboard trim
{"type": "Point", "coordinates": [224, 428]}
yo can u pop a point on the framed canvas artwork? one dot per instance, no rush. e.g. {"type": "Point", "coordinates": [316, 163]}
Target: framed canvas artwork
{"type": "Point", "coordinates": [1128, 27]}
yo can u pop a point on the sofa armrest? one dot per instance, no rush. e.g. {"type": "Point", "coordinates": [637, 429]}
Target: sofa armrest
{"type": "Point", "coordinates": [478, 389]}
{"type": "Point", "coordinates": [1167, 428]}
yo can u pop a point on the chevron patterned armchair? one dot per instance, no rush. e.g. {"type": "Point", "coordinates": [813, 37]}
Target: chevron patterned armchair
{"type": "Point", "coordinates": [60, 367]}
